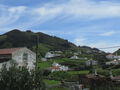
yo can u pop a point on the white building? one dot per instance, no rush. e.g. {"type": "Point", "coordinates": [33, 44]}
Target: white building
{"type": "Point", "coordinates": [58, 67]}
{"type": "Point", "coordinates": [43, 59]}
{"type": "Point", "coordinates": [22, 56]}
{"type": "Point", "coordinates": [111, 56]}
{"type": "Point", "coordinates": [55, 64]}
{"type": "Point", "coordinates": [50, 55]}
{"type": "Point", "coordinates": [91, 62]}
{"type": "Point", "coordinates": [114, 62]}
{"type": "Point", "coordinates": [74, 57]}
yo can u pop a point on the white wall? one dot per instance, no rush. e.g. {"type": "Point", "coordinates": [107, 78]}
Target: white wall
{"type": "Point", "coordinates": [18, 57]}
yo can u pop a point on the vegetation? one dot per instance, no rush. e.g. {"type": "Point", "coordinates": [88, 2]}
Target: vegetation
{"type": "Point", "coordinates": [79, 72]}
{"type": "Point", "coordinates": [20, 79]}
{"type": "Point", "coordinates": [44, 65]}
{"type": "Point", "coordinates": [28, 39]}
{"type": "Point", "coordinates": [59, 88]}
{"type": "Point", "coordinates": [60, 75]}
{"type": "Point", "coordinates": [52, 82]}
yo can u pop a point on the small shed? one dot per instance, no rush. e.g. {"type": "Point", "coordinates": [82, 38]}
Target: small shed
{"type": "Point", "coordinates": [75, 57]}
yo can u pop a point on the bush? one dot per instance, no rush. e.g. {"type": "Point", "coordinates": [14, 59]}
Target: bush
{"type": "Point", "coordinates": [59, 75]}
{"type": "Point", "coordinates": [20, 79]}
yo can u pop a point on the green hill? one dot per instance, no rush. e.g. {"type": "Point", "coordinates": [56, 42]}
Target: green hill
{"type": "Point", "coordinates": [17, 38]}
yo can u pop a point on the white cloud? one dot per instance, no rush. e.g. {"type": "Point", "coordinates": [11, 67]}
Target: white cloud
{"type": "Point", "coordinates": [92, 10]}
{"type": "Point", "coordinates": [43, 11]}
{"type": "Point", "coordinates": [108, 33]}
{"type": "Point", "coordinates": [10, 15]}
{"type": "Point", "coordinates": [104, 44]}
{"type": "Point", "coordinates": [79, 41]}
{"type": "Point", "coordinates": [72, 10]}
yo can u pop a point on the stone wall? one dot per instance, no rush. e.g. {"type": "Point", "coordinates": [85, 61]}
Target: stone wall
{"type": "Point", "coordinates": [18, 57]}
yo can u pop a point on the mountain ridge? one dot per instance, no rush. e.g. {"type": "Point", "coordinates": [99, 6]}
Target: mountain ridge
{"type": "Point", "coordinates": [18, 38]}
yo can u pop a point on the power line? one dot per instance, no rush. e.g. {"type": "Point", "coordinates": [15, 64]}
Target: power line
{"type": "Point", "coordinates": [109, 47]}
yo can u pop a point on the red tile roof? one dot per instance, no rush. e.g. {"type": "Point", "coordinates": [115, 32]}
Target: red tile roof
{"type": "Point", "coordinates": [8, 51]}
{"type": "Point", "coordinates": [110, 55]}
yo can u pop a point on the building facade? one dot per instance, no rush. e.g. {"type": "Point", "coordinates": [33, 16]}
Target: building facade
{"type": "Point", "coordinates": [22, 56]}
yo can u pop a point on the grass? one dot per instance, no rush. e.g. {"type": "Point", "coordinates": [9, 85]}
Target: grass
{"type": "Point", "coordinates": [59, 88]}
{"type": "Point", "coordinates": [79, 61]}
{"type": "Point", "coordinates": [44, 65]}
{"type": "Point", "coordinates": [52, 82]}
{"type": "Point", "coordinates": [79, 72]}
{"type": "Point", "coordinates": [47, 64]}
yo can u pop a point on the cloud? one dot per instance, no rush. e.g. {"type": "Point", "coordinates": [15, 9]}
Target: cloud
{"type": "Point", "coordinates": [104, 44]}
{"type": "Point", "coordinates": [92, 10]}
{"type": "Point", "coordinates": [9, 15]}
{"type": "Point", "coordinates": [27, 17]}
{"type": "Point", "coordinates": [108, 33]}
{"type": "Point", "coordinates": [79, 41]}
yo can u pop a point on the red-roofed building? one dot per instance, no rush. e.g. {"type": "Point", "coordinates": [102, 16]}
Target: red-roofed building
{"type": "Point", "coordinates": [57, 68]}
{"type": "Point", "coordinates": [22, 56]}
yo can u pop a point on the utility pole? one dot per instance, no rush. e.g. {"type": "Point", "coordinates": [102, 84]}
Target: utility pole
{"type": "Point", "coordinates": [37, 49]}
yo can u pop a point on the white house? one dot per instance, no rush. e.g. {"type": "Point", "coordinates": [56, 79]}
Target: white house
{"type": "Point", "coordinates": [50, 55]}
{"type": "Point", "coordinates": [74, 57]}
{"type": "Point", "coordinates": [91, 62]}
{"type": "Point", "coordinates": [58, 67]}
{"type": "Point", "coordinates": [64, 68]}
{"type": "Point", "coordinates": [114, 62]}
{"type": "Point", "coordinates": [55, 64]}
{"type": "Point", "coordinates": [22, 56]}
{"type": "Point", "coordinates": [111, 56]}
{"type": "Point", "coordinates": [43, 59]}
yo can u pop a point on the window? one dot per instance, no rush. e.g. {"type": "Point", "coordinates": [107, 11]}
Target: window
{"type": "Point", "coordinates": [25, 56]}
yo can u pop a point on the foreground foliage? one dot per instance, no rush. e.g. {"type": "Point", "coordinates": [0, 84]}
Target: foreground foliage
{"type": "Point", "coordinates": [20, 79]}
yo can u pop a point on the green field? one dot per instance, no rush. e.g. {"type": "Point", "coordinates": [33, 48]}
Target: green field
{"type": "Point", "coordinates": [44, 65]}
{"type": "Point", "coordinates": [79, 72]}
{"type": "Point", "coordinates": [59, 88]}
{"type": "Point", "coordinates": [52, 82]}
{"type": "Point", "coordinates": [47, 64]}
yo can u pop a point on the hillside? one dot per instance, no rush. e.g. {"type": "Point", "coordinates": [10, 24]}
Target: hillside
{"type": "Point", "coordinates": [89, 50]}
{"type": "Point", "coordinates": [117, 52]}
{"type": "Point", "coordinates": [17, 38]}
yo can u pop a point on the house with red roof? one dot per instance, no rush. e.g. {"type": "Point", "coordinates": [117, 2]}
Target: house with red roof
{"type": "Point", "coordinates": [22, 56]}
{"type": "Point", "coordinates": [58, 67]}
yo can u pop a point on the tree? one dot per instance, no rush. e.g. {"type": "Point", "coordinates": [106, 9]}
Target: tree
{"type": "Point", "coordinates": [20, 78]}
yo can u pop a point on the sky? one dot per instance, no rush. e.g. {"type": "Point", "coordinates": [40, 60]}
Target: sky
{"type": "Point", "coordinates": [94, 23]}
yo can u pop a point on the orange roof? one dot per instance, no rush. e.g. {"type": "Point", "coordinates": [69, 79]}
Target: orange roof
{"type": "Point", "coordinates": [110, 55]}
{"type": "Point", "coordinates": [8, 51]}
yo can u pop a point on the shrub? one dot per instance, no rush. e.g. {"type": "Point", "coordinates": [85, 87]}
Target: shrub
{"type": "Point", "coordinates": [60, 75]}
{"type": "Point", "coordinates": [20, 79]}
